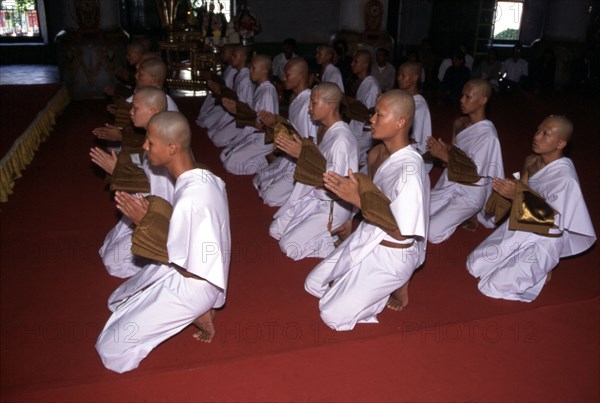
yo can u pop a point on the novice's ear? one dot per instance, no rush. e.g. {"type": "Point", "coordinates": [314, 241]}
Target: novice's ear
{"type": "Point", "coordinates": [172, 147]}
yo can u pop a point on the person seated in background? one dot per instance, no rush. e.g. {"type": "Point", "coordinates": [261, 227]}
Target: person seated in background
{"type": "Point", "coordinates": [329, 72]}
{"type": "Point", "coordinates": [151, 72]}
{"type": "Point", "coordinates": [383, 71]}
{"type": "Point", "coordinates": [242, 86]}
{"type": "Point", "coordinates": [515, 69]}
{"type": "Point", "coordinates": [489, 69]}
{"type": "Point", "coordinates": [368, 91]}
{"type": "Point", "coordinates": [343, 62]}
{"type": "Point", "coordinates": [279, 61]}
{"type": "Point", "coordinates": [543, 72]}
{"type": "Point", "coordinates": [455, 78]}
{"type": "Point", "coordinates": [164, 298]}
{"type": "Point", "coordinates": [354, 282]}
{"type": "Point", "coordinates": [515, 264]}
{"type": "Point", "coordinates": [452, 202]}
{"type": "Point", "coordinates": [409, 77]}
{"type": "Point", "coordinates": [304, 223]}
{"type": "Point", "coordinates": [275, 181]}
{"type": "Point", "coordinates": [210, 111]}
{"type": "Point", "coordinates": [234, 158]}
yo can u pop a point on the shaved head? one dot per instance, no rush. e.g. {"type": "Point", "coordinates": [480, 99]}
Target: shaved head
{"type": "Point", "coordinates": [400, 102]}
{"type": "Point", "coordinates": [155, 68]}
{"type": "Point", "coordinates": [263, 61]}
{"type": "Point", "coordinates": [298, 65]}
{"type": "Point", "coordinates": [564, 125]}
{"type": "Point", "coordinates": [411, 67]}
{"type": "Point", "coordinates": [172, 127]}
{"type": "Point", "coordinates": [482, 87]}
{"type": "Point", "coordinates": [329, 93]}
{"type": "Point", "coordinates": [152, 97]}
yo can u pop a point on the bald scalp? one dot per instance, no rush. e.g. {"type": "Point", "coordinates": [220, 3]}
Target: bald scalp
{"type": "Point", "coordinates": [329, 93]}
{"type": "Point", "coordinates": [263, 61]}
{"type": "Point", "coordinates": [400, 102]}
{"type": "Point", "coordinates": [564, 125]}
{"type": "Point", "coordinates": [152, 97]}
{"type": "Point", "coordinates": [411, 67]}
{"type": "Point", "coordinates": [298, 64]}
{"type": "Point", "coordinates": [482, 87]}
{"type": "Point", "coordinates": [172, 127]}
{"type": "Point", "coordinates": [155, 68]}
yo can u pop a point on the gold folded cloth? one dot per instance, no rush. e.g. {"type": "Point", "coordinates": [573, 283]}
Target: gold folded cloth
{"type": "Point", "coordinates": [270, 131]}
{"type": "Point", "coordinates": [149, 238]}
{"type": "Point", "coordinates": [282, 128]}
{"type": "Point", "coordinates": [245, 115]}
{"type": "Point", "coordinates": [498, 206]}
{"type": "Point", "coordinates": [356, 110]}
{"type": "Point", "coordinates": [128, 177]}
{"type": "Point", "coordinates": [460, 167]}
{"type": "Point", "coordinates": [311, 165]}
{"type": "Point", "coordinates": [530, 212]}
{"type": "Point", "coordinates": [375, 206]}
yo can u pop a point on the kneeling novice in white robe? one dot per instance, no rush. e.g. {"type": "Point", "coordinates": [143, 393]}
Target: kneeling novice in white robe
{"type": "Point", "coordinates": [513, 264]}
{"type": "Point", "coordinates": [363, 271]}
{"type": "Point", "coordinates": [301, 224]}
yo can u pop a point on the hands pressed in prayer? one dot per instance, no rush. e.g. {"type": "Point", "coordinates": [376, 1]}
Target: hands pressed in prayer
{"type": "Point", "coordinates": [108, 132]}
{"type": "Point", "coordinates": [112, 108]}
{"type": "Point", "coordinates": [343, 232]}
{"type": "Point", "coordinates": [505, 187]}
{"type": "Point", "coordinates": [438, 148]}
{"type": "Point", "coordinates": [288, 146]}
{"type": "Point", "coordinates": [344, 188]}
{"type": "Point", "coordinates": [230, 105]}
{"type": "Point", "coordinates": [103, 159]}
{"type": "Point", "coordinates": [133, 207]}
{"type": "Point", "coordinates": [267, 118]}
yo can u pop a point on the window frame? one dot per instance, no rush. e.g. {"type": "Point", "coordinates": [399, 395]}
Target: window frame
{"type": "Point", "coordinates": [41, 38]}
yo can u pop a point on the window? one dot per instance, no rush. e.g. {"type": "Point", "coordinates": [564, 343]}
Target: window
{"type": "Point", "coordinates": [19, 19]}
{"type": "Point", "coordinates": [508, 20]}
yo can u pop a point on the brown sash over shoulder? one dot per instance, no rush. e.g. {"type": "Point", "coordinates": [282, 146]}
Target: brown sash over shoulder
{"type": "Point", "coordinates": [127, 176]}
{"type": "Point", "coordinates": [530, 212]}
{"type": "Point", "coordinates": [149, 238]}
{"type": "Point", "coordinates": [375, 205]}
{"type": "Point", "coordinates": [460, 167]}
{"type": "Point", "coordinates": [311, 165]}
{"type": "Point", "coordinates": [245, 116]}
{"type": "Point", "coordinates": [356, 110]}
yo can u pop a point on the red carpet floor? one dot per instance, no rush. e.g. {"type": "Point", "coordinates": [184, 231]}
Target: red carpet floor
{"type": "Point", "coordinates": [451, 343]}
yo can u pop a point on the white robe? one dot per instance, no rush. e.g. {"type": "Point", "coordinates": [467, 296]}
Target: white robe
{"type": "Point", "coordinates": [300, 225]}
{"type": "Point", "coordinates": [275, 181]}
{"type": "Point", "coordinates": [247, 156]}
{"type": "Point", "coordinates": [210, 111]}
{"type": "Point", "coordinates": [244, 88]}
{"type": "Point", "coordinates": [115, 251]}
{"type": "Point", "coordinates": [421, 127]}
{"type": "Point", "coordinates": [332, 74]}
{"type": "Point", "coordinates": [367, 94]}
{"type": "Point", "coordinates": [265, 98]}
{"type": "Point", "coordinates": [159, 302]}
{"type": "Point", "coordinates": [365, 273]}
{"type": "Point", "coordinates": [514, 265]}
{"type": "Point", "coordinates": [385, 76]}
{"type": "Point", "coordinates": [452, 203]}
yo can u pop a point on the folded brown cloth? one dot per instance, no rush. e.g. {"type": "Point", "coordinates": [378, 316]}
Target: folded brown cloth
{"type": "Point", "coordinates": [149, 238]}
{"type": "Point", "coordinates": [226, 92]}
{"type": "Point", "coordinates": [128, 177]}
{"type": "Point", "coordinates": [375, 206]}
{"type": "Point", "coordinates": [311, 165]}
{"type": "Point", "coordinates": [270, 131]}
{"type": "Point", "coordinates": [133, 138]}
{"type": "Point", "coordinates": [530, 212]}
{"type": "Point", "coordinates": [282, 128]}
{"type": "Point", "coordinates": [245, 116]}
{"type": "Point", "coordinates": [356, 110]}
{"type": "Point", "coordinates": [498, 206]}
{"type": "Point", "coordinates": [460, 167]}
{"type": "Point", "coordinates": [122, 115]}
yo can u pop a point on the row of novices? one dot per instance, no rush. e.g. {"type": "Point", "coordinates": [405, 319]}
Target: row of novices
{"type": "Point", "coordinates": [321, 172]}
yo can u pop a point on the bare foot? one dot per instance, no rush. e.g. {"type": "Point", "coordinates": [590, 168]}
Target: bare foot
{"type": "Point", "coordinates": [548, 277]}
{"type": "Point", "coordinates": [398, 299]}
{"type": "Point", "coordinates": [206, 327]}
{"type": "Point", "coordinates": [471, 224]}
